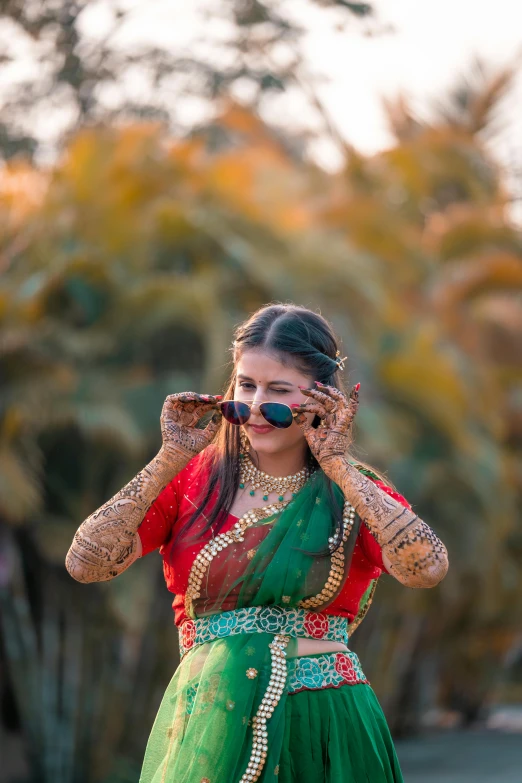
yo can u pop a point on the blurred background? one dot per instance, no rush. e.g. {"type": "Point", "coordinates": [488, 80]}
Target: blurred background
{"type": "Point", "coordinates": [166, 168]}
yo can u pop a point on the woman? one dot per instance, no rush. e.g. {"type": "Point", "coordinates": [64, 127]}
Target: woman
{"type": "Point", "coordinates": [258, 519]}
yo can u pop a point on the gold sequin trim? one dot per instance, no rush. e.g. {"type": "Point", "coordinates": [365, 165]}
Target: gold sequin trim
{"type": "Point", "coordinates": [269, 702]}
{"type": "Point", "coordinates": [336, 575]}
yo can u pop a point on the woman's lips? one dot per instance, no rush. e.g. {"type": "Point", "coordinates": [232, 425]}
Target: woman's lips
{"type": "Point", "coordinates": [260, 429]}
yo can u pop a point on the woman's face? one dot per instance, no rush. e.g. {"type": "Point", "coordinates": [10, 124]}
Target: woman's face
{"type": "Point", "coordinates": [261, 378]}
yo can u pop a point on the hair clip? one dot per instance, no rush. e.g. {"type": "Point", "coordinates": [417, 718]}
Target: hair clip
{"type": "Point", "coordinates": [339, 362]}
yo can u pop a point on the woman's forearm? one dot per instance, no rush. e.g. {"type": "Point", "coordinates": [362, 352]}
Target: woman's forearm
{"type": "Point", "coordinates": [105, 543]}
{"type": "Point", "coordinates": [416, 555]}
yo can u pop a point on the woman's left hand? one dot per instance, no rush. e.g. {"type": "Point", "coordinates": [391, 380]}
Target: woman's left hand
{"type": "Point", "coordinates": [330, 440]}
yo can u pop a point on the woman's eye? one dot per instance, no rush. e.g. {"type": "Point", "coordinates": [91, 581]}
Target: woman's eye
{"type": "Point", "coordinates": [251, 386]}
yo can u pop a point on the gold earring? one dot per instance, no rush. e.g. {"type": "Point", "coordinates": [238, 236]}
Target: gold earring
{"type": "Point", "coordinates": [244, 440]}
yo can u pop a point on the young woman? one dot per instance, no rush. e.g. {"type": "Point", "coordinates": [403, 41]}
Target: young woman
{"type": "Point", "coordinates": [258, 519]}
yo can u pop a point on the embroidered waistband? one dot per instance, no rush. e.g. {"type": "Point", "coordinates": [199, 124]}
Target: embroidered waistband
{"type": "Point", "coordinates": [295, 622]}
{"type": "Point", "coordinates": [327, 670]}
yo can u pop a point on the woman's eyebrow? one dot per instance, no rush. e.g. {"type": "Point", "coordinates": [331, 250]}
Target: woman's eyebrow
{"type": "Point", "coordinates": [247, 378]}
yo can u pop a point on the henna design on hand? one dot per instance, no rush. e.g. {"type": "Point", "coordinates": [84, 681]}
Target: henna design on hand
{"type": "Point", "coordinates": [105, 544]}
{"type": "Point", "coordinates": [179, 417]}
{"type": "Point", "coordinates": [330, 441]}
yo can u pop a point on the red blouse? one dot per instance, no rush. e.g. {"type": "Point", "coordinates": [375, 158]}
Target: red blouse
{"type": "Point", "coordinates": [173, 507]}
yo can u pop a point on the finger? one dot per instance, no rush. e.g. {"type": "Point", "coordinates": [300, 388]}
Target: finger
{"type": "Point", "coordinates": [312, 407]}
{"type": "Point", "coordinates": [213, 425]}
{"type": "Point", "coordinates": [334, 393]}
{"type": "Point", "coordinates": [194, 401]}
{"type": "Point", "coordinates": [354, 399]}
{"type": "Point", "coordinates": [303, 423]}
{"type": "Point", "coordinates": [320, 396]}
{"type": "Point", "coordinates": [354, 394]}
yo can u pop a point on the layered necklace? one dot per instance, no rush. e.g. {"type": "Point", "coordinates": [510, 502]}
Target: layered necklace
{"type": "Point", "coordinates": [258, 479]}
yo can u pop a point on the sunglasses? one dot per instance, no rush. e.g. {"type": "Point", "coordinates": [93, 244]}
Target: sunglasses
{"type": "Point", "coordinates": [275, 413]}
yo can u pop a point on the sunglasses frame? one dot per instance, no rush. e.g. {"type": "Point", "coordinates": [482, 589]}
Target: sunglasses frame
{"type": "Point", "coordinates": [249, 406]}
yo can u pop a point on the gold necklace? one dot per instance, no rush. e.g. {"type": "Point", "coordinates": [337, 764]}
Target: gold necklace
{"type": "Point", "coordinates": [258, 479]}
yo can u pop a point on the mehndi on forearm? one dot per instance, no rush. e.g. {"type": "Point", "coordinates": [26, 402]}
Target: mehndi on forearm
{"type": "Point", "coordinates": [105, 543]}
{"type": "Point", "coordinates": [417, 556]}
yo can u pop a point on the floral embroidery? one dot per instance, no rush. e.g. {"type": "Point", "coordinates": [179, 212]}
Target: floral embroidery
{"type": "Point", "coordinates": [296, 622]}
{"type": "Point", "coordinates": [222, 624]}
{"type": "Point", "coordinates": [310, 673]}
{"type": "Point", "coordinates": [329, 670]}
{"type": "Point", "coordinates": [251, 673]}
{"type": "Point", "coordinates": [316, 624]}
{"type": "Point", "coordinates": [188, 634]}
{"type": "Point", "coordinates": [344, 666]}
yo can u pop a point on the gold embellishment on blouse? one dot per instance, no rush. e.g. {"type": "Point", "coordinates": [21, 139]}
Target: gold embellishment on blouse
{"type": "Point", "coordinates": [361, 615]}
{"type": "Point", "coordinates": [335, 577]}
{"type": "Point", "coordinates": [286, 599]}
{"type": "Point", "coordinates": [251, 673]}
{"type": "Point", "coordinates": [251, 553]}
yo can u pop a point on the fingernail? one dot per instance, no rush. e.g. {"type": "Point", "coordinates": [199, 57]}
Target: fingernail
{"type": "Point", "coordinates": [301, 387]}
{"type": "Point", "coordinates": [295, 405]}
{"type": "Point", "coordinates": [357, 386]}
{"type": "Point", "coordinates": [218, 396]}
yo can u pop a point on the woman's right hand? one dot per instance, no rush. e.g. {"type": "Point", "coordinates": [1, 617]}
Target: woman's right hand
{"type": "Point", "coordinates": [179, 417]}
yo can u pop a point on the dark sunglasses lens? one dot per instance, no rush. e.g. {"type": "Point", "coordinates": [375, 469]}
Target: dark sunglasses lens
{"type": "Point", "coordinates": [276, 414]}
{"type": "Point", "coordinates": [235, 412]}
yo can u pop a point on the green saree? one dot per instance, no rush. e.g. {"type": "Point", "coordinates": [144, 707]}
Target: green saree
{"type": "Point", "coordinates": [242, 706]}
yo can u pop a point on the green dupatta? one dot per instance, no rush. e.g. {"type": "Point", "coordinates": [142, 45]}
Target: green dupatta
{"type": "Point", "coordinates": [208, 726]}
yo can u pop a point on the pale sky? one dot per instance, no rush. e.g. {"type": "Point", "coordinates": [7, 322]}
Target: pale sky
{"type": "Point", "coordinates": [432, 44]}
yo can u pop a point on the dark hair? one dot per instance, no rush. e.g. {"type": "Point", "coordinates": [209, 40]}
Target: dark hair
{"type": "Point", "coordinates": [296, 337]}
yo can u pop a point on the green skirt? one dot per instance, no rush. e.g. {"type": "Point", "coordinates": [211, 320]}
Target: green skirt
{"type": "Point", "coordinates": [337, 735]}
{"type": "Point", "coordinates": [327, 734]}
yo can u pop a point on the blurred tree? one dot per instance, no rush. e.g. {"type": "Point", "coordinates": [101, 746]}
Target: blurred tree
{"type": "Point", "coordinates": [124, 271]}
{"type": "Point", "coordinates": [78, 78]}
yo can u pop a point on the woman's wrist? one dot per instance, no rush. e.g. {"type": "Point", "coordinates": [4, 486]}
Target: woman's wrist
{"type": "Point", "coordinates": [105, 543]}
{"type": "Point", "coordinates": [414, 553]}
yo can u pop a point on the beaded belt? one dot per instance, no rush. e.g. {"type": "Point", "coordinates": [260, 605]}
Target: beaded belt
{"type": "Point", "coordinates": [272, 619]}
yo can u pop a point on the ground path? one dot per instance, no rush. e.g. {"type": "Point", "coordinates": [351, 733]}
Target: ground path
{"type": "Point", "coordinates": [462, 757]}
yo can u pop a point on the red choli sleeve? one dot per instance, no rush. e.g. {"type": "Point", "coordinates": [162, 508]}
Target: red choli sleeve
{"type": "Point", "coordinates": [371, 548]}
{"type": "Point", "coordinates": [156, 526]}
{"type": "Point", "coordinates": [157, 523]}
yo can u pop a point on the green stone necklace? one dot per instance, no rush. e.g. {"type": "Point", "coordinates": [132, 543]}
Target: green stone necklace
{"type": "Point", "coordinates": [258, 479]}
